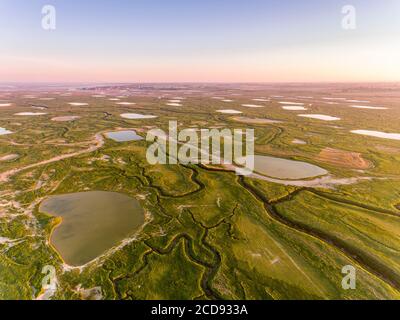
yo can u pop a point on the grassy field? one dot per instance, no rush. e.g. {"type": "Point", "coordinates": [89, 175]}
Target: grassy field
{"type": "Point", "coordinates": [208, 233]}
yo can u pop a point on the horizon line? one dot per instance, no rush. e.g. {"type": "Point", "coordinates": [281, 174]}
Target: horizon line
{"type": "Point", "coordinates": [194, 82]}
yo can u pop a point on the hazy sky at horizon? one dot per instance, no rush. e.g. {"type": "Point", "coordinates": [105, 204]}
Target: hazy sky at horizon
{"type": "Point", "coordinates": [207, 40]}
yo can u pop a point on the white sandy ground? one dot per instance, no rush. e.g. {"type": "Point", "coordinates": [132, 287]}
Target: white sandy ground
{"type": "Point", "coordinates": [358, 101]}
{"type": "Point", "coordinates": [333, 98]}
{"type": "Point", "coordinates": [369, 107]}
{"type": "Point", "coordinates": [378, 134]}
{"type": "Point", "coordinates": [319, 117]}
{"type": "Point", "coordinates": [294, 108]}
{"type": "Point", "coordinates": [9, 157]}
{"type": "Point", "coordinates": [292, 103]}
{"type": "Point", "coordinates": [136, 116]}
{"type": "Point", "coordinates": [47, 294]}
{"type": "Point", "coordinates": [252, 106]}
{"type": "Point", "coordinates": [126, 103]}
{"type": "Point", "coordinates": [5, 240]}
{"type": "Point", "coordinates": [229, 111]}
{"type": "Point", "coordinates": [30, 114]}
{"type": "Point", "coordinates": [65, 118]}
{"type": "Point", "coordinates": [227, 100]}
{"type": "Point", "coordinates": [255, 120]}
{"type": "Point", "coordinates": [91, 293]}
{"type": "Point", "coordinates": [175, 101]}
{"type": "Point", "coordinates": [46, 99]}
{"type": "Point", "coordinates": [174, 104]}
{"type": "Point", "coordinates": [98, 96]}
{"type": "Point", "coordinates": [4, 131]}
{"type": "Point", "coordinates": [5, 104]}
{"type": "Point", "coordinates": [114, 99]}
{"type": "Point", "coordinates": [98, 140]}
{"type": "Point", "coordinates": [298, 141]}
{"type": "Point", "coordinates": [9, 243]}
{"type": "Point", "coordinates": [78, 104]}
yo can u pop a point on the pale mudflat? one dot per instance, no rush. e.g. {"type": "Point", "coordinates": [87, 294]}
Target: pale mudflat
{"type": "Point", "coordinates": [319, 117]}
{"type": "Point", "coordinates": [136, 116]}
{"type": "Point", "coordinates": [378, 134]}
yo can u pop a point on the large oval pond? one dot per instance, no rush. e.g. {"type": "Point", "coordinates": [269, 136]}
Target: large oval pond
{"type": "Point", "coordinates": [92, 223]}
{"type": "Point", "coordinates": [285, 169]}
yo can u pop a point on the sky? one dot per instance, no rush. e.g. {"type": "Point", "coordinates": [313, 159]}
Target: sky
{"type": "Point", "coordinates": [199, 41]}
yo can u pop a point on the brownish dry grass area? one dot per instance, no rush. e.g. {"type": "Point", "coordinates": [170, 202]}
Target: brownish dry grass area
{"type": "Point", "coordinates": [342, 158]}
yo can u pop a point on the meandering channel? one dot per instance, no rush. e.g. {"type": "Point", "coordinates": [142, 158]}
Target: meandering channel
{"type": "Point", "coordinates": [366, 261]}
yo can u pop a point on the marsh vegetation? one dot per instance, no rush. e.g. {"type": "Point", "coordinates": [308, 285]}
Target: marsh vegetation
{"type": "Point", "coordinates": [81, 192]}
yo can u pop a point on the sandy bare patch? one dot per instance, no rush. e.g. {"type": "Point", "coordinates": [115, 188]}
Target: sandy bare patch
{"type": "Point", "coordinates": [78, 104]}
{"type": "Point", "coordinates": [255, 120]}
{"type": "Point", "coordinates": [252, 106]}
{"type": "Point", "coordinates": [174, 104]}
{"type": "Point", "coordinates": [4, 131]}
{"type": "Point", "coordinates": [5, 104]}
{"type": "Point", "coordinates": [358, 101]}
{"type": "Point", "coordinates": [378, 134]}
{"type": "Point", "coordinates": [229, 111]}
{"type": "Point", "coordinates": [292, 103]}
{"type": "Point", "coordinates": [30, 114]}
{"type": "Point", "coordinates": [342, 158]}
{"type": "Point", "coordinates": [90, 294]}
{"type": "Point", "coordinates": [39, 107]}
{"type": "Point", "coordinates": [126, 103]}
{"type": "Point", "coordinates": [136, 116]}
{"type": "Point", "coordinates": [98, 140]}
{"type": "Point", "coordinates": [65, 118]}
{"type": "Point", "coordinates": [333, 98]}
{"type": "Point", "coordinates": [298, 141]}
{"type": "Point", "coordinates": [319, 117]}
{"type": "Point", "coordinates": [9, 157]}
{"type": "Point", "coordinates": [368, 107]}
